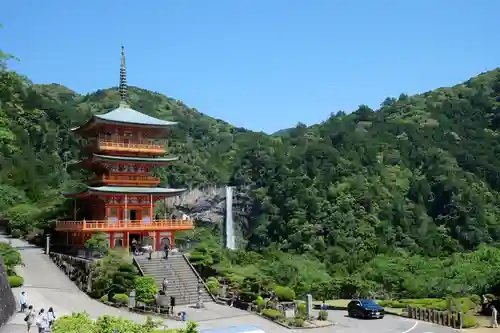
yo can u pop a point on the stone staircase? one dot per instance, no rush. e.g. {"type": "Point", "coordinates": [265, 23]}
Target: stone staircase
{"type": "Point", "coordinates": [182, 279]}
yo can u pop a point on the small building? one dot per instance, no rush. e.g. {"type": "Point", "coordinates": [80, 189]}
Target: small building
{"type": "Point", "coordinates": [121, 147]}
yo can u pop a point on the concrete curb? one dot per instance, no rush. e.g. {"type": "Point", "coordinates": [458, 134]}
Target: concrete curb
{"type": "Point", "coordinates": [291, 327]}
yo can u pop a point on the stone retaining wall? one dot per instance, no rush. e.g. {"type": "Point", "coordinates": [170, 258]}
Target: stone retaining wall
{"type": "Point", "coordinates": [7, 300]}
{"type": "Point", "coordinates": [77, 269]}
{"type": "Point", "coordinates": [444, 318]}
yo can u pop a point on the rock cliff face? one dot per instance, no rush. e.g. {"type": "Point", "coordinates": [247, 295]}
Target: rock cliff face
{"type": "Point", "coordinates": [7, 300]}
{"type": "Point", "coordinates": [203, 205]}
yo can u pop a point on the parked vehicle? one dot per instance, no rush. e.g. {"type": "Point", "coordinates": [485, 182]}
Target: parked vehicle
{"type": "Point", "coordinates": [365, 308]}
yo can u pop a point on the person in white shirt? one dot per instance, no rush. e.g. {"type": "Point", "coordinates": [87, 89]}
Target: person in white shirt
{"type": "Point", "coordinates": [51, 316]}
{"type": "Point", "coordinates": [23, 301]}
{"type": "Point", "coordinates": [42, 322]}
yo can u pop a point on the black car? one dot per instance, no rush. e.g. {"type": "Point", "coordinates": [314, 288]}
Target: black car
{"type": "Point", "coordinates": [365, 308]}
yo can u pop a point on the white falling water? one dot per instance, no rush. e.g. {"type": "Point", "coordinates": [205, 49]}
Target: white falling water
{"type": "Point", "coordinates": [230, 239]}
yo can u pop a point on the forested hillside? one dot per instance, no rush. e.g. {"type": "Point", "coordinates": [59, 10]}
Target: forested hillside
{"type": "Point", "coordinates": [370, 198]}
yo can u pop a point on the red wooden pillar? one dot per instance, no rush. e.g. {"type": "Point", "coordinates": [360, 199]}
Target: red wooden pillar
{"type": "Point", "coordinates": [125, 239]}
{"type": "Point", "coordinates": [111, 240]}
{"type": "Point", "coordinates": [172, 239]}
{"type": "Point", "coordinates": [158, 241]}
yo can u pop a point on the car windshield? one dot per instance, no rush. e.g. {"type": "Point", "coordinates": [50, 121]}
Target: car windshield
{"type": "Point", "coordinates": [368, 302]}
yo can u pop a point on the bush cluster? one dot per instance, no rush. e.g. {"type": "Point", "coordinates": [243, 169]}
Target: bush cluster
{"type": "Point", "coordinates": [463, 304]}
{"type": "Point", "coordinates": [272, 314]}
{"type": "Point", "coordinates": [121, 299]}
{"type": "Point", "coordinates": [15, 281]}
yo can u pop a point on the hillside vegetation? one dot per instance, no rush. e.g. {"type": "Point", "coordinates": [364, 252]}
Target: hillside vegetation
{"type": "Point", "coordinates": [402, 201]}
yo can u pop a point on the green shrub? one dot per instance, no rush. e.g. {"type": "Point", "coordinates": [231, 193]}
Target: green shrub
{"type": "Point", "coordinates": [385, 304]}
{"type": "Point", "coordinates": [260, 304]}
{"type": "Point", "coordinates": [490, 297]}
{"type": "Point", "coordinates": [16, 233]}
{"type": "Point", "coordinates": [284, 294]}
{"type": "Point", "coordinates": [104, 298]}
{"type": "Point", "coordinates": [248, 296]}
{"type": "Point", "coordinates": [323, 315]}
{"type": "Point", "coordinates": [302, 308]}
{"type": "Point", "coordinates": [272, 314]}
{"type": "Point", "coordinates": [213, 285]}
{"type": "Point", "coordinates": [298, 322]}
{"type": "Point", "coordinates": [121, 298]}
{"type": "Point", "coordinates": [15, 281]}
{"type": "Point", "coordinates": [145, 289]}
{"type": "Point", "coordinates": [476, 299]}
{"type": "Point", "coordinates": [469, 321]}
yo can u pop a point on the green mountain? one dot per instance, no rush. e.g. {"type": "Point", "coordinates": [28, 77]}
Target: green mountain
{"type": "Point", "coordinates": [364, 199]}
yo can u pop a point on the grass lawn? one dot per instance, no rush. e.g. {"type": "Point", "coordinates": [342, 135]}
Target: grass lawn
{"type": "Point", "coordinates": [335, 302]}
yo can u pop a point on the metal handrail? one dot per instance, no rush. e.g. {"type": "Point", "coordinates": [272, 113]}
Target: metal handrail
{"type": "Point", "coordinates": [199, 277]}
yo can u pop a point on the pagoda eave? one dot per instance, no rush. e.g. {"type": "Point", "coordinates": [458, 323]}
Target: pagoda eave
{"type": "Point", "coordinates": [99, 158]}
{"type": "Point", "coordinates": [97, 120]}
{"type": "Point", "coordinates": [157, 192]}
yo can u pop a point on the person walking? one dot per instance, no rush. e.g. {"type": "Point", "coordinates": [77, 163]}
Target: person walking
{"type": "Point", "coordinates": [30, 317]}
{"type": "Point", "coordinates": [164, 285]}
{"type": "Point", "coordinates": [51, 316]}
{"type": "Point", "coordinates": [166, 249]}
{"type": "Point", "coordinates": [23, 301]}
{"type": "Point", "coordinates": [150, 251]}
{"type": "Point", "coordinates": [494, 314]}
{"type": "Point", "coordinates": [42, 321]}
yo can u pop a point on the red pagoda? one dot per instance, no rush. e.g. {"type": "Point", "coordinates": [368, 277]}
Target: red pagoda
{"type": "Point", "coordinates": [121, 148]}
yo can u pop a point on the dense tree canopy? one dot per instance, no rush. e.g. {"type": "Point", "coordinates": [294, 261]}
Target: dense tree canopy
{"type": "Point", "coordinates": [417, 179]}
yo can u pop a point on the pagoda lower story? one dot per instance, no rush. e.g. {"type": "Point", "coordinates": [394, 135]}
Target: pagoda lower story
{"type": "Point", "coordinates": [124, 219]}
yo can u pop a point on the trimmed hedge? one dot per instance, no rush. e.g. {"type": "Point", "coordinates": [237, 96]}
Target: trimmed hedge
{"type": "Point", "coordinates": [121, 298]}
{"type": "Point", "coordinates": [284, 294]}
{"type": "Point", "coordinates": [323, 315]}
{"type": "Point", "coordinates": [469, 321]}
{"type": "Point", "coordinates": [298, 322]}
{"type": "Point", "coordinates": [213, 285]}
{"type": "Point", "coordinates": [272, 314]}
{"type": "Point", "coordinates": [16, 233]}
{"type": "Point", "coordinates": [15, 281]}
{"type": "Point", "coordinates": [463, 304]}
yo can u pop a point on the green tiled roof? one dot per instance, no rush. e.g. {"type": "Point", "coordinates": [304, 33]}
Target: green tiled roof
{"type": "Point", "coordinates": [127, 115]}
{"type": "Point", "coordinates": [135, 190]}
{"type": "Point", "coordinates": [137, 159]}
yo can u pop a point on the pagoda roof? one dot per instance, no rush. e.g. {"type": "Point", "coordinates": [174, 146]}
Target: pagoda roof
{"type": "Point", "coordinates": [135, 158]}
{"type": "Point", "coordinates": [126, 116]}
{"type": "Point", "coordinates": [167, 192]}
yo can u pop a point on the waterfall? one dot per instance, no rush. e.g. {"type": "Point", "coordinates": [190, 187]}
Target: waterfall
{"type": "Point", "coordinates": [229, 229]}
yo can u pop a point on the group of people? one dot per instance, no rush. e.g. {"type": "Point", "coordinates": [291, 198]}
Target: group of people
{"type": "Point", "coordinates": [42, 320]}
{"type": "Point", "coordinates": [148, 248]}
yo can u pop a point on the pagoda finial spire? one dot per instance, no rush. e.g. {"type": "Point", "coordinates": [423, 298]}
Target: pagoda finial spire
{"type": "Point", "coordinates": [123, 81]}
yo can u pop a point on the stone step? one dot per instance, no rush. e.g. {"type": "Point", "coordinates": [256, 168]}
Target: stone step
{"type": "Point", "coordinates": [183, 281]}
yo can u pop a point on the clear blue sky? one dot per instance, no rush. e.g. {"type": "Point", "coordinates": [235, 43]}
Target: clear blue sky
{"type": "Point", "coordinates": [259, 64]}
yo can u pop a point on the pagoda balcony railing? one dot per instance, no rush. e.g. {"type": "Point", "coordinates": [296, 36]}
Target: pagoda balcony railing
{"type": "Point", "coordinates": [133, 146]}
{"type": "Point", "coordinates": [123, 225]}
{"type": "Point", "coordinates": [127, 180]}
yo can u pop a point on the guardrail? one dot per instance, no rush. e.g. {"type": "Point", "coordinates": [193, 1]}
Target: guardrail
{"type": "Point", "coordinates": [123, 225]}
